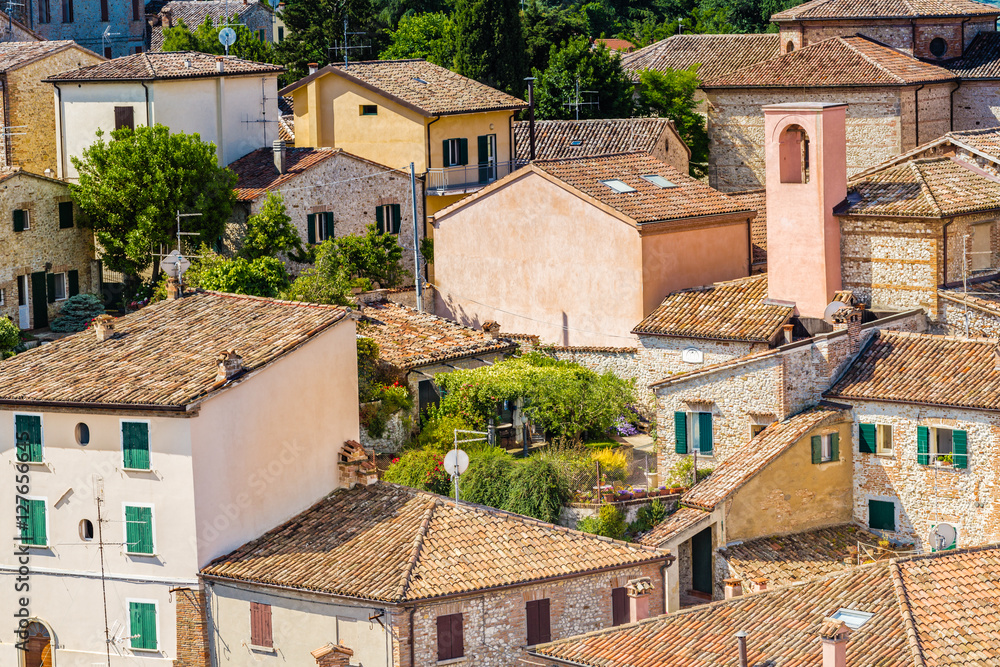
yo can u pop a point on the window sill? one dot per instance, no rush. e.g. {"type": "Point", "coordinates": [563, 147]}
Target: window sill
{"type": "Point", "coordinates": [145, 650]}
{"type": "Point", "coordinates": [142, 555]}
{"type": "Point", "coordinates": [40, 547]}
{"type": "Point", "coordinates": [263, 649]}
{"type": "Point", "coordinates": [452, 661]}
{"type": "Point", "coordinates": [136, 469]}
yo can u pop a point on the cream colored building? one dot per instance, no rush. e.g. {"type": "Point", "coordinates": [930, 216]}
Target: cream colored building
{"type": "Point", "coordinates": [192, 427]}
{"type": "Point", "coordinates": [227, 101]}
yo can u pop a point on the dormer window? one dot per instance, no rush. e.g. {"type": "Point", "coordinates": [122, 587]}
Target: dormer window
{"type": "Point", "coordinates": [619, 186]}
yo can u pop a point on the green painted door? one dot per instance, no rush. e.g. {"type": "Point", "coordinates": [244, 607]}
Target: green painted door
{"type": "Point", "coordinates": [701, 561]}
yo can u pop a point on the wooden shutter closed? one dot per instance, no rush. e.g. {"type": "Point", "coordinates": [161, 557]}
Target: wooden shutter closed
{"type": "Point", "coordinates": [28, 430]}
{"type": "Point", "coordinates": [32, 518]}
{"type": "Point", "coordinates": [817, 449]}
{"type": "Point", "coordinates": [260, 625]}
{"type": "Point", "coordinates": [104, 10]}
{"type": "Point", "coordinates": [457, 636]}
{"type": "Point", "coordinates": [135, 11]}
{"type": "Point", "coordinates": [135, 443]}
{"type": "Point", "coordinates": [124, 117]}
{"type": "Point", "coordinates": [51, 278]}
{"type": "Point", "coordinates": [142, 625]}
{"type": "Point", "coordinates": [834, 446]}
{"type": "Point", "coordinates": [73, 282]}
{"type": "Point", "coordinates": [139, 530]}
{"type": "Point", "coordinates": [680, 433]}
{"type": "Point", "coordinates": [531, 618]}
{"type": "Point", "coordinates": [311, 228]}
{"type": "Point", "coordinates": [960, 451]}
{"type": "Point", "coordinates": [923, 445]}
{"type": "Point", "coordinates": [544, 627]}
{"type": "Point", "coordinates": [705, 432]}
{"type": "Point", "coordinates": [328, 224]}
{"type": "Point", "coordinates": [867, 441]}
{"type": "Point", "coordinates": [397, 218]}
{"type": "Point", "coordinates": [881, 515]}
{"type": "Point", "coordinates": [18, 219]}
{"type": "Point", "coordinates": [446, 152]}
{"type": "Point", "coordinates": [619, 606]}
{"type": "Point", "coordinates": [463, 151]}
{"type": "Point", "coordinates": [65, 214]}
{"type": "Point", "coordinates": [380, 219]}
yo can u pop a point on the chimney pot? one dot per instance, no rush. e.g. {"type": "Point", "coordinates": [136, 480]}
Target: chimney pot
{"type": "Point", "coordinates": [734, 588]}
{"type": "Point", "coordinates": [173, 289]}
{"type": "Point", "coordinates": [220, 63]}
{"type": "Point", "coordinates": [760, 585]}
{"type": "Point", "coordinates": [229, 364]}
{"type": "Point", "coordinates": [834, 635]}
{"type": "Point", "coordinates": [332, 655]}
{"type": "Point", "coordinates": [787, 332]}
{"type": "Point", "coordinates": [492, 328]}
{"type": "Point", "coordinates": [638, 591]}
{"type": "Point", "coordinates": [741, 644]}
{"type": "Point", "coordinates": [313, 67]}
{"type": "Point", "coordinates": [104, 327]}
{"type": "Point", "coordinates": [280, 156]}
{"type": "Point", "coordinates": [168, 14]}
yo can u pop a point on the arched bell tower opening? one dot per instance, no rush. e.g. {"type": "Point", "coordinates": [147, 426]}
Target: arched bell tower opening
{"type": "Point", "coordinates": [794, 155]}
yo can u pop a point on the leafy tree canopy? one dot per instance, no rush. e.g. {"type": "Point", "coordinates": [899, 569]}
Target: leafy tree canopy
{"type": "Point", "coordinates": [545, 27]}
{"type": "Point", "coordinates": [205, 38]}
{"type": "Point", "coordinates": [431, 36]}
{"type": "Point", "coordinates": [670, 94]}
{"type": "Point", "coordinates": [374, 257]}
{"type": "Point", "coordinates": [597, 69]}
{"type": "Point", "coordinates": [271, 232]}
{"type": "Point", "coordinates": [10, 337]}
{"type": "Point", "coordinates": [390, 12]}
{"type": "Point", "coordinates": [490, 44]}
{"type": "Point", "coordinates": [327, 281]}
{"type": "Point", "coordinates": [314, 27]}
{"type": "Point", "coordinates": [130, 189]}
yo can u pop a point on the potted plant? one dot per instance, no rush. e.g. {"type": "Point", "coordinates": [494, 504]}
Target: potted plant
{"type": "Point", "coordinates": [609, 496]}
{"type": "Point", "coordinates": [943, 460]}
{"type": "Point", "coordinates": [639, 493]}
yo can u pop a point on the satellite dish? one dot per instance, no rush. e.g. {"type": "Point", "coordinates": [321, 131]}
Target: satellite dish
{"type": "Point", "coordinates": [692, 355]}
{"type": "Point", "coordinates": [227, 36]}
{"type": "Point", "coordinates": [274, 3]}
{"type": "Point", "coordinates": [456, 462]}
{"type": "Point", "coordinates": [943, 537]}
{"type": "Point", "coordinates": [175, 264]}
{"type": "Point", "coordinates": [831, 309]}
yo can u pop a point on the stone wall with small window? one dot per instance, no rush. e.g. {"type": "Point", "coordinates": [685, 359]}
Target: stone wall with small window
{"type": "Point", "coordinates": [921, 471]}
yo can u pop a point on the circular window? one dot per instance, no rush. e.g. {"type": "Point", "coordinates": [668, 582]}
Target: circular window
{"type": "Point", "coordinates": [86, 530]}
{"type": "Point", "coordinates": [939, 47]}
{"type": "Point", "coordinates": [82, 434]}
{"type": "Point", "coordinates": [790, 46]}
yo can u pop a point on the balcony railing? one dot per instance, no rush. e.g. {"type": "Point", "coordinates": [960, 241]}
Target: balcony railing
{"type": "Point", "coordinates": [468, 178]}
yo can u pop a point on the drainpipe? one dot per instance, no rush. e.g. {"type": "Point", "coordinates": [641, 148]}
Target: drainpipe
{"type": "Point", "coordinates": [916, 114]}
{"type": "Point", "coordinates": [531, 116]}
{"type": "Point", "coordinates": [951, 117]}
{"type": "Point", "coordinates": [427, 167]}
{"type": "Point", "coordinates": [944, 253]}
{"type": "Point", "coordinates": [61, 145]}
{"type": "Point", "coordinates": [149, 110]}
{"type": "Point", "coordinates": [749, 247]}
{"type": "Point", "coordinates": [964, 21]}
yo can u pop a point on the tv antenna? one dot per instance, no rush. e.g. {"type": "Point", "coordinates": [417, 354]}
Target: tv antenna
{"type": "Point", "coordinates": [9, 10]}
{"type": "Point", "coordinates": [347, 48]}
{"type": "Point", "coordinates": [578, 101]}
{"type": "Point", "coordinates": [106, 38]}
{"type": "Point", "coordinates": [175, 263]}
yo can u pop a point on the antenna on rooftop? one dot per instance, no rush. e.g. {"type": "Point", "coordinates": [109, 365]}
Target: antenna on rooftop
{"type": "Point", "coordinates": [346, 47]}
{"type": "Point", "coordinates": [9, 10]}
{"type": "Point", "coordinates": [578, 102]}
{"type": "Point", "coordinates": [106, 37]}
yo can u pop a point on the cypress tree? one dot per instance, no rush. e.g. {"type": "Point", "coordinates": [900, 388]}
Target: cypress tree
{"type": "Point", "coordinates": [490, 45]}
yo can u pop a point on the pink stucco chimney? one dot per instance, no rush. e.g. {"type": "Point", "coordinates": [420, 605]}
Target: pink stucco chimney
{"type": "Point", "coordinates": [806, 176]}
{"type": "Point", "coordinates": [834, 636]}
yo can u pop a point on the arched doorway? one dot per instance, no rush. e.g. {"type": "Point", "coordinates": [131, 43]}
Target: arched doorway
{"type": "Point", "coordinates": [39, 646]}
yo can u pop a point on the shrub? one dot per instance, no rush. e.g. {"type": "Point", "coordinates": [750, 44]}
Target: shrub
{"type": "Point", "coordinates": [487, 480]}
{"type": "Point", "coordinates": [609, 522]}
{"type": "Point", "coordinates": [613, 463]}
{"type": "Point", "coordinates": [648, 516]}
{"type": "Point", "coordinates": [537, 489]}
{"type": "Point", "coordinates": [420, 470]}
{"type": "Point", "coordinates": [77, 312]}
{"type": "Point", "coordinates": [682, 473]}
{"type": "Point", "coordinates": [10, 337]}
{"type": "Point", "coordinates": [396, 397]}
{"type": "Point", "coordinates": [438, 433]}
{"type": "Point", "coordinates": [368, 387]}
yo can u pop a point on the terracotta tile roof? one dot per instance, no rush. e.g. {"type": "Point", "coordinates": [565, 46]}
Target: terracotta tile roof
{"type": "Point", "coordinates": [986, 140]}
{"type": "Point", "coordinates": [732, 310]}
{"type": "Point", "coordinates": [834, 62]}
{"type": "Point", "coordinates": [920, 368]}
{"type": "Point", "coordinates": [882, 9]}
{"type": "Point", "coordinates": [164, 354]}
{"type": "Point", "coordinates": [937, 187]}
{"type": "Point", "coordinates": [716, 54]}
{"type": "Point", "coordinates": [286, 105]}
{"type": "Point", "coordinates": [756, 200]}
{"type": "Point", "coordinates": [981, 60]}
{"type": "Point", "coordinates": [932, 610]}
{"type": "Point", "coordinates": [649, 203]}
{"type": "Point", "coordinates": [557, 139]}
{"type": "Point", "coordinates": [983, 296]}
{"type": "Point", "coordinates": [408, 338]}
{"type": "Point", "coordinates": [395, 544]}
{"type": "Point", "coordinates": [16, 54]}
{"type": "Point", "coordinates": [615, 44]}
{"type": "Point", "coordinates": [286, 128]}
{"type": "Point", "coordinates": [194, 12]}
{"type": "Point", "coordinates": [257, 174]}
{"type": "Point", "coordinates": [428, 88]}
{"type": "Point", "coordinates": [769, 444]}
{"type": "Point", "coordinates": [673, 525]}
{"type": "Point", "coordinates": [154, 65]}
{"type": "Point", "coordinates": [788, 559]}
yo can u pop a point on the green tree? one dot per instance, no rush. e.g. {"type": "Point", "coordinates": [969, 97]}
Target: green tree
{"type": "Point", "coordinates": [130, 189]}
{"type": "Point", "coordinates": [597, 69]}
{"type": "Point", "coordinates": [261, 276]}
{"type": "Point", "coordinates": [180, 38]}
{"type": "Point", "coordinates": [271, 232]}
{"type": "Point", "coordinates": [548, 26]}
{"type": "Point", "coordinates": [538, 489]}
{"type": "Point", "coordinates": [10, 337]}
{"type": "Point", "coordinates": [313, 27]}
{"type": "Point", "coordinates": [428, 36]}
{"type": "Point", "coordinates": [490, 45]}
{"type": "Point", "coordinates": [77, 312]}
{"type": "Point", "coordinates": [205, 39]}
{"type": "Point", "coordinates": [670, 94]}
{"type": "Point", "coordinates": [327, 281]}
{"type": "Point", "coordinates": [391, 12]}
{"type": "Point", "coordinates": [747, 16]}
{"type": "Point", "coordinates": [374, 257]}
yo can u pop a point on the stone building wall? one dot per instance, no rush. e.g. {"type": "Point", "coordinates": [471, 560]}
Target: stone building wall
{"type": "Point", "coordinates": [977, 106]}
{"type": "Point", "coordinates": [31, 109]}
{"type": "Point", "coordinates": [43, 247]}
{"type": "Point", "coordinates": [933, 120]}
{"type": "Point", "coordinates": [910, 38]}
{"type": "Point", "coordinates": [736, 129]}
{"type": "Point", "coordinates": [494, 621]}
{"type": "Point", "coordinates": [928, 494]}
{"type": "Point", "coordinates": [959, 319]}
{"type": "Point", "coordinates": [87, 28]}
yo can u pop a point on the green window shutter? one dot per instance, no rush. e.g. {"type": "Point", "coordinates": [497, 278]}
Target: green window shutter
{"type": "Point", "coordinates": [32, 520]}
{"type": "Point", "coordinates": [139, 530]}
{"type": "Point", "coordinates": [834, 446]}
{"type": "Point", "coordinates": [311, 228]}
{"type": "Point", "coordinates": [397, 218]}
{"type": "Point", "coordinates": [881, 515]}
{"type": "Point", "coordinates": [867, 439]}
{"type": "Point", "coordinates": [705, 432]}
{"type": "Point", "coordinates": [463, 151]}
{"type": "Point", "coordinates": [817, 449]}
{"type": "Point", "coordinates": [142, 624]}
{"type": "Point", "coordinates": [923, 445]}
{"type": "Point", "coordinates": [18, 220]}
{"type": "Point", "coordinates": [380, 219]}
{"type": "Point", "coordinates": [51, 278]}
{"type": "Point", "coordinates": [73, 278]}
{"type": "Point", "coordinates": [135, 443]}
{"type": "Point", "coordinates": [65, 214]}
{"type": "Point", "coordinates": [680, 433]}
{"type": "Point", "coordinates": [328, 222]}
{"type": "Point", "coordinates": [28, 429]}
{"type": "Point", "coordinates": [960, 454]}
{"type": "Point", "coordinates": [484, 149]}
{"type": "Point", "coordinates": [446, 153]}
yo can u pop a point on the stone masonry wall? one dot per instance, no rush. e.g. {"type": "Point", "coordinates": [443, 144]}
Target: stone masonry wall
{"type": "Point", "coordinates": [977, 105]}
{"type": "Point", "coordinates": [736, 130]}
{"type": "Point", "coordinates": [934, 118]}
{"type": "Point", "coordinates": [494, 622]}
{"type": "Point", "coordinates": [898, 33]}
{"type": "Point", "coordinates": [43, 246]}
{"type": "Point", "coordinates": [955, 316]}
{"type": "Point", "coordinates": [926, 494]}
{"type": "Point", "coordinates": [192, 629]}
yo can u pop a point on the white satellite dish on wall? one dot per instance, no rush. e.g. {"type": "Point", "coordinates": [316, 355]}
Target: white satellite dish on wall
{"type": "Point", "coordinates": [943, 537]}
{"type": "Point", "coordinates": [692, 355]}
{"type": "Point", "coordinates": [227, 37]}
{"type": "Point", "coordinates": [829, 311]}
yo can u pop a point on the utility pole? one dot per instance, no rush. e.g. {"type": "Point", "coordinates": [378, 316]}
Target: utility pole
{"type": "Point", "coordinates": [418, 279]}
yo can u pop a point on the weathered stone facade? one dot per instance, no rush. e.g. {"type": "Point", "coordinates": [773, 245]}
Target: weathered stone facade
{"type": "Point", "coordinates": [42, 249]}
{"type": "Point", "coordinates": [85, 25]}
{"type": "Point", "coordinates": [192, 629]}
{"type": "Point", "coordinates": [925, 495]}
{"type": "Point", "coordinates": [912, 37]}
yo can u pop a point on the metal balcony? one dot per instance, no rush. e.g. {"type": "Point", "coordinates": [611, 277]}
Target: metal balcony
{"type": "Point", "coordinates": [468, 178]}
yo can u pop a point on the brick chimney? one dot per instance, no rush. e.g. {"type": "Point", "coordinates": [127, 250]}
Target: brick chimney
{"type": "Point", "coordinates": [759, 585]}
{"type": "Point", "coordinates": [280, 155]}
{"type": "Point", "coordinates": [168, 16]}
{"type": "Point", "coordinates": [806, 177]}
{"type": "Point", "coordinates": [734, 588]}
{"type": "Point", "coordinates": [834, 635]}
{"type": "Point", "coordinates": [638, 591]}
{"type": "Point", "coordinates": [355, 466]}
{"type": "Point", "coordinates": [173, 289]}
{"type": "Point", "coordinates": [104, 327]}
{"type": "Point", "coordinates": [229, 364]}
{"type": "Point", "coordinates": [313, 67]}
{"type": "Point", "coordinates": [492, 328]}
{"type": "Point", "coordinates": [332, 655]}
{"type": "Point", "coordinates": [851, 319]}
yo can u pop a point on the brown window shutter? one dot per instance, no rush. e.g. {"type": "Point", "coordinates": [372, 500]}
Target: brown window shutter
{"type": "Point", "coordinates": [444, 637]}
{"type": "Point", "coordinates": [135, 10]}
{"type": "Point", "coordinates": [544, 631]}
{"type": "Point", "coordinates": [457, 640]}
{"type": "Point", "coordinates": [260, 625]}
{"type": "Point", "coordinates": [104, 10]}
{"type": "Point", "coordinates": [531, 612]}
{"type": "Point", "coordinates": [619, 606]}
{"type": "Point", "coordinates": [124, 117]}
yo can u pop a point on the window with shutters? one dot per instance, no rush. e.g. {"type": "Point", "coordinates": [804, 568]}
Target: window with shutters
{"type": "Point", "coordinates": [450, 640]}
{"type": "Point", "coordinates": [124, 116]}
{"type": "Point", "coordinates": [693, 430]}
{"type": "Point", "coordinates": [22, 219]}
{"type": "Point", "coordinates": [389, 218]}
{"type": "Point", "coordinates": [882, 515]}
{"type": "Point", "coordinates": [619, 606]}
{"type": "Point", "coordinates": [944, 447]}
{"type": "Point", "coordinates": [32, 522]}
{"type": "Point", "coordinates": [104, 10]}
{"type": "Point", "coordinates": [67, 11]}
{"type": "Point", "coordinates": [825, 447]}
{"type": "Point", "coordinates": [135, 445]}
{"type": "Point", "coordinates": [142, 625]}
{"type": "Point", "coordinates": [456, 152]}
{"type": "Point", "coordinates": [319, 227]}
{"type": "Point", "coordinates": [260, 625]}
{"type": "Point", "coordinates": [139, 530]}
{"type": "Point", "coordinates": [537, 615]}
{"type": "Point", "coordinates": [44, 11]}
{"type": "Point", "coordinates": [136, 16]}
{"type": "Point", "coordinates": [28, 436]}
{"type": "Point", "coordinates": [65, 215]}
{"type": "Point", "coordinates": [59, 286]}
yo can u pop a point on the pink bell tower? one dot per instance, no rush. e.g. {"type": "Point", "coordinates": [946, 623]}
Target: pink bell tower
{"type": "Point", "coordinates": [806, 176]}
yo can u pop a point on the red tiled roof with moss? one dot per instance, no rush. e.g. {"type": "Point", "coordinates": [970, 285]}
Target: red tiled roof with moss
{"type": "Point", "coordinates": [257, 173]}
{"type": "Point", "coordinates": [714, 54]}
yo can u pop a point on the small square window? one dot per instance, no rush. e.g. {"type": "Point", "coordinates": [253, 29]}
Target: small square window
{"type": "Point", "coordinates": [884, 438]}
{"type": "Point", "coordinates": [619, 186]}
{"type": "Point", "coordinates": [369, 109]}
{"type": "Point", "coordinates": [60, 286]}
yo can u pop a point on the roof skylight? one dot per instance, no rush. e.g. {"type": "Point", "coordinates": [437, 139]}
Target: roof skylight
{"type": "Point", "coordinates": [576, 142]}
{"type": "Point", "coordinates": [659, 181]}
{"type": "Point", "coordinates": [852, 618]}
{"type": "Point", "coordinates": [619, 186]}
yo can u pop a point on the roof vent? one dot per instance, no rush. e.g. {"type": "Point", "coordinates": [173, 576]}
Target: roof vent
{"type": "Point", "coordinates": [187, 62]}
{"type": "Point", "coordinates": [220, 64]}
{"type": "Point", "coordinates": [230, 364]}
{"type": "Point", "coordinates": [619, 186]}
{"type": "Point", "coordinates": [104, 327]}
{"type": "Point", "coordinates": [659, 181]}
